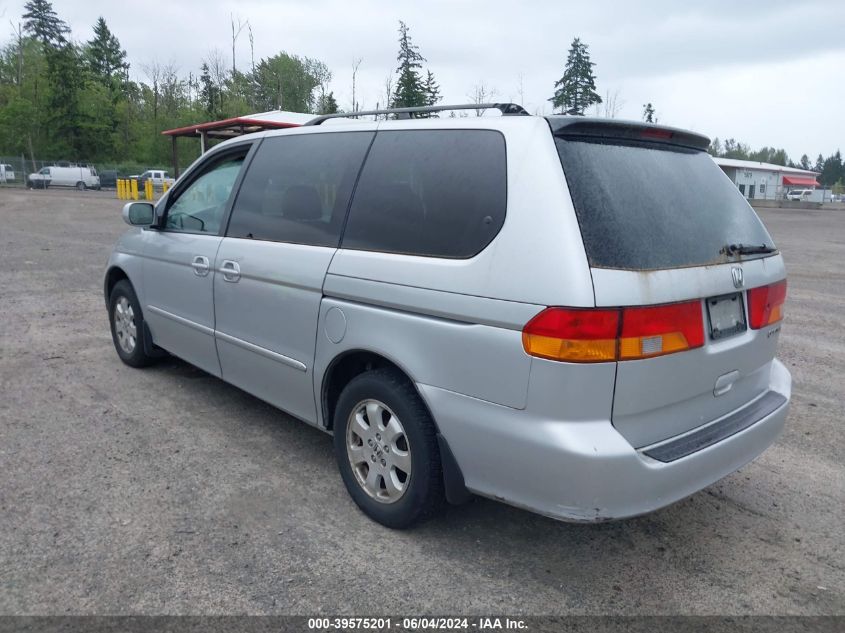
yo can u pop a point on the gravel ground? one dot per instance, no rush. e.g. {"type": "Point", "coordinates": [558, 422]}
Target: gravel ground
{"type": "Point", "coordinates": [167, 491]}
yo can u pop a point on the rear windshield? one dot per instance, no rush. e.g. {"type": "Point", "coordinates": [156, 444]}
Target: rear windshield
{"type": "Point", "coordinates": [644, 207]}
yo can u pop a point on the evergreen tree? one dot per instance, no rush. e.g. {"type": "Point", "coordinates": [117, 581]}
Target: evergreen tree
{"type": "Point", "coordinates": [648, 113]}
{"type": "Point", "coordinates": [432, 89]}
{"type": "Point", "coordinates": [576, 90]}
{"type": "Point", "coordinates": [327, 104]}
{"type": "Point", "coordinates": [832, 169]}
{"type": "Point", "coordinates": [106, 59]}
{"type": "Point", "coordinates": [208, 95]}
{"type": "Point", "coordinates": [43, 24]}
{"type": "Point", "coordinates": [805, 162]}
{"type": "Point", "coordinates": [819, 166]}
{"type": "Point", "coordinates": [64, 72]}
{"type": "Point", "coordinates": [715, 148]}
{"type": "Point", "coordinates": [410, 89]}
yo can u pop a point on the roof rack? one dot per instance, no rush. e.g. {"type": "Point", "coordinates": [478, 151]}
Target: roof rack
{"type": "Point", "coordinates": [412, 113]}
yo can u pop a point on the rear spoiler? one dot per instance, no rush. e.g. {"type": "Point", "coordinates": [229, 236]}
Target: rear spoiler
{"type": "Point", "coordinates": [610, 129]}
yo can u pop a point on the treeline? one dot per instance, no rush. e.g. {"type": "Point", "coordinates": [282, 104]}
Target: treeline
{"type": "Point", "coordinates": [61, 98]}
{"type": "Point", "coordinates": [64, 99]}
{"type": "Point", "coordinates": [831, 168]}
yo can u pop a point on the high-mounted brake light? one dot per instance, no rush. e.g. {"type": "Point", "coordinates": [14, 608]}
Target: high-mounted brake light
{"type": "Point", "coordinates": [596, 335]}
{"type": "Point", "coordinates": [657, 133]}
{"type": "Point", "coordinates": [765, 304]}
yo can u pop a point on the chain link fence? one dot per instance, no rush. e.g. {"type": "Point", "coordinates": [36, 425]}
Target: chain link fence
{"type": "Point", "coordinates": [15, 170]}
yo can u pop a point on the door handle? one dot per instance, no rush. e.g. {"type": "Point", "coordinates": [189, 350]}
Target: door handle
{"type": "Point", "coordinates": [200, 266]}
{"type": "Point", "coordinates": [231, 270]}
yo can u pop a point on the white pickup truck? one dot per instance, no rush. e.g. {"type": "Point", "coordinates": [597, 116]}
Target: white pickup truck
{"type": "Point", "coordinates": [158, 176]}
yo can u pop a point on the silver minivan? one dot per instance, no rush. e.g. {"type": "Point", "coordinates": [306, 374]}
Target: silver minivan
{"type": "Point", "coordinates": [574, 316]}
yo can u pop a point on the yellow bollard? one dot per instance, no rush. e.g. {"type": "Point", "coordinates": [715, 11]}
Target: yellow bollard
{"type": "Point", "coordinates": [165, 186]}
{"type": "Point", "coordinates": [134, 187]}
{"type": "Point", "coordinates": [121, 189]}
{"type": "Point", "coordinates": [118, 189]}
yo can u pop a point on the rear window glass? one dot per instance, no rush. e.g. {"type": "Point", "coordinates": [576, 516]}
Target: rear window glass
{"type": "Point", "coordinates": [643, 208]}
{"type": "Point", "coordinates": [440, 193]}
{"type": "Point", "coordinates": [297, 188]}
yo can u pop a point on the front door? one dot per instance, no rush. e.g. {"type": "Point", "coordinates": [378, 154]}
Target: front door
{"type": "Point", "coordinates": [179, 259]}
{"type": "Point", "coordinates": [284, 229]}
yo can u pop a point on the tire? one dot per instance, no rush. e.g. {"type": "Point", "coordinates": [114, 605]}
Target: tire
{"type": "Point", "coordinates": [81, 186]}
{"type": "Point", "coordinates": [127, 325]}
{"type": "Point", "coordinates": [385, 497]}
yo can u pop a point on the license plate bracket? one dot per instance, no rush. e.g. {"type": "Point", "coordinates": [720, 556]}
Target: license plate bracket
{"type": "Point", "coordinates": [726, 315]}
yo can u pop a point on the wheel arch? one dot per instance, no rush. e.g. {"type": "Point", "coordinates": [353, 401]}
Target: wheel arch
{"type": "Point", "coordinates": [114, 274]}
{"type": "Point", "coordinates": [346, 366]}
{"type": "Point", "coordinates": [351, 363]}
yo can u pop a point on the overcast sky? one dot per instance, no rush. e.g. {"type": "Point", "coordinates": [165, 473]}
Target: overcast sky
{"type": "Point", "coordinates": [766, 72]}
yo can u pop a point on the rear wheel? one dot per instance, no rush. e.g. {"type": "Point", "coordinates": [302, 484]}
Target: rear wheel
{"type": "Point", "coordinates": [127, 325]}
{"type": "Point", "coordinates": [386, 449]}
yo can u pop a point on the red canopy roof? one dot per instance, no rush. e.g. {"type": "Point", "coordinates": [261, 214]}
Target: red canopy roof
{"type": "Point", "coordinates": [807, 181]}
{"type": "Point", "coordinates": [227, 128]}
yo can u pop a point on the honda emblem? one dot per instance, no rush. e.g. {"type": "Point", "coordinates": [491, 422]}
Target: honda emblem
{"type": "Point", "coordinates": [736, 273]}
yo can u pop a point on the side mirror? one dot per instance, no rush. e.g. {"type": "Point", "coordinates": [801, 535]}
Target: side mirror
{"type": "Point", "coordinates": [138, 213]}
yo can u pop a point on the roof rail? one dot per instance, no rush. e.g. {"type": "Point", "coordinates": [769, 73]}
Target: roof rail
{"type": "Point", "coordinates": [411, 113]}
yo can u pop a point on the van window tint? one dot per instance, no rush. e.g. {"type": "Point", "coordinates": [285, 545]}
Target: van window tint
{"type": "Point", "coordinates": [438, 193]}
{"type": "Point", "coordinates": [641, 207]}
{"type": "Point", "coordinates": [297, 188]}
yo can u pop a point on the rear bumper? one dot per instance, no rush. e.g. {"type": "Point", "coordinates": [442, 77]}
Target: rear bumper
{"type": "Point", "coordinates": [585, 470]}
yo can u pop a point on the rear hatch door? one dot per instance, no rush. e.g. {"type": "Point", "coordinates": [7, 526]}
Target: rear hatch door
{"type": "Point", "coordinates": [659, 219]}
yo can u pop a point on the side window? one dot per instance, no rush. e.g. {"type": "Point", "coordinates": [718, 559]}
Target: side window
{"type": "Point", "coordinates": [200, 207]}
{"type": "Point", "coordinates": [440, 193]}
{"type": "Point", "coordinates": [297, 188]}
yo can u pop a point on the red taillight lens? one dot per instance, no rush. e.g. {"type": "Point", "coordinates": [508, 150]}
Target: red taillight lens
{"type": "Point", "coordinates": [656, 330]}
{"type": "Point", "coordinates": [765, 304]}
{"type": "Point", "coordinates": [587, 335]}
{"type": "Point", "coordinates": [572, 335]}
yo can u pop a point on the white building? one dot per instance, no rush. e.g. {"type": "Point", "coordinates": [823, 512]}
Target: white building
{"type": "Point", "coordinates": [765, 180]}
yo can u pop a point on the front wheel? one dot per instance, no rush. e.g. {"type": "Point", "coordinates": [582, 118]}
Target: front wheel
{"type": "Point", "coordinates": [386, 449]}
{"type": "Point", "coordinates": [127, 325]}
{"type": "Point", "coordinates": [81, 186]}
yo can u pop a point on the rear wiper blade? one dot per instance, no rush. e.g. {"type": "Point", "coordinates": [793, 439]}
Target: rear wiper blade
{"type": "Point", "coordinates": [747, 249]}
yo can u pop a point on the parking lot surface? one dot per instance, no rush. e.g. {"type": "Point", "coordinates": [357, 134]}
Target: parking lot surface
{"type": "Point", "coordinates": [167, 491]}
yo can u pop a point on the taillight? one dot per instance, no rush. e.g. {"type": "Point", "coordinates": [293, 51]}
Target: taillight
{"type": "Point", "coordinates": [584, 336]}
{"type": "Point", "coordinates": [656, 330]}
{"type": "Point", "coordinates": [595, 335]}
{"type": "Point", "coordinates": [765, 304]}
